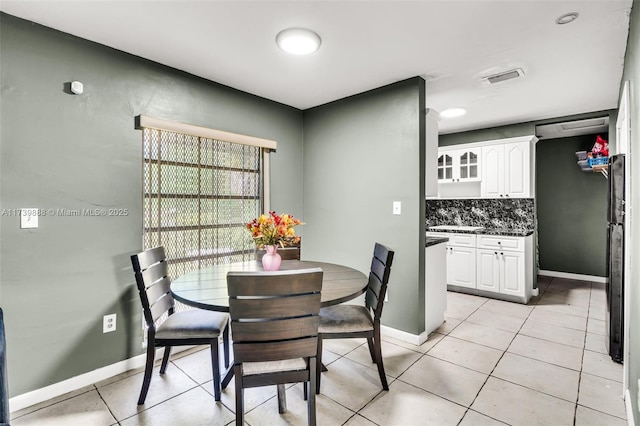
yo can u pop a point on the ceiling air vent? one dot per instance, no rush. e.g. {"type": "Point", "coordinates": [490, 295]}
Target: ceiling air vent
{"type": "Point", "coordinates": [504, 76]}
{"type": "Point", "coordinates": [587, 126]}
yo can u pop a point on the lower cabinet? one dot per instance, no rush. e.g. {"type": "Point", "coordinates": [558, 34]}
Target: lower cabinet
{"type": "Point", "coordinates": [461, 266]}
{"type": "Point", "coordinates": [461, 260]}
{"type": "Point", "coordinates": [491, 265]}
{"type": "Point", "coordinates": [502, 272]}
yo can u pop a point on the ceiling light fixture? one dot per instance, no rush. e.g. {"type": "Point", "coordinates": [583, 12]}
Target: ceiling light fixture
{"type": "Point", "coordinates": [453, 112]}
{"type": "Point", "coordinates": [298, 41]}
{"type": "Point", "coordinates": [567, 17]}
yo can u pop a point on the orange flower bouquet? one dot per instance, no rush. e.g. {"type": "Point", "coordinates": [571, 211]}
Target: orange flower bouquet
{"type": "Point", "coordinates": [274, 229]}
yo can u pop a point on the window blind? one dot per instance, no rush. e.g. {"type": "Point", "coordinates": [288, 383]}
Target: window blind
{"type": "Point", "coordinates": [199, 193]}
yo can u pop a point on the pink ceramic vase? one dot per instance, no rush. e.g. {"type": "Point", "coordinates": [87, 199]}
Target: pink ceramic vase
{"type": "Point", "coordinates": [271, 259]}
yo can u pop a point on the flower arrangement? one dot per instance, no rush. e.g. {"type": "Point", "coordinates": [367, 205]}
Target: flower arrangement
{"type": "Point", "coordinates": [274, 229]}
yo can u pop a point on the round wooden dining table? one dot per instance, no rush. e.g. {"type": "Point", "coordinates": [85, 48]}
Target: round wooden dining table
{"type": "Point", "coordinates": [206, 288]}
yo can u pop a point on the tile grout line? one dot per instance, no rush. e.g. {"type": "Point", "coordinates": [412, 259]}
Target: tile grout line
{"type": "Point", "coordinates": [493, 369]}
{"type": "Point", "coordinates": [575, 411]}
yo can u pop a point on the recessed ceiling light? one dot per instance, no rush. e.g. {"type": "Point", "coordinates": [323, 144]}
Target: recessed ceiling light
{"type": "Point", "coordinates": [453, 112]}
{"type": "Point", "coordinates": [567, 17]}
{"type": "Point", "coordinates": [298, 41]}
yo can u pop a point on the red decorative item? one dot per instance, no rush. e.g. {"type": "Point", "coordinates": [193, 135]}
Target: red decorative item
{"type": "Point", "coordinates": [601, 147]}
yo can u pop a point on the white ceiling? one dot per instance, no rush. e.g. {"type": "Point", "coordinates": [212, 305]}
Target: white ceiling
{"type": "Point", "coordinates": [568, 69]}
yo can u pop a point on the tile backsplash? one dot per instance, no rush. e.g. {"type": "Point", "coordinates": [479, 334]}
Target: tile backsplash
{"type": "Point", "coordinates": [510, 213]}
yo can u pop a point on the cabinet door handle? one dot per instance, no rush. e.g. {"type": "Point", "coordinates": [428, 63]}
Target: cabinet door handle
{"type": "Point", "coordinates": [495, 252]}
{"type": "Point", "coordinates": [501, 254]}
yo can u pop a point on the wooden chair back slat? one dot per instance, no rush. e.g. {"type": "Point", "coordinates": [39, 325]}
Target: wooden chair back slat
{"type": "Point", "coordinates": [278, 283]}
{"type": "Point", "coordinates": [143, 260]}
{"type": "Point", "coordinates": [155, 272]}
{"type": "Point", "coordinates": [275, 350]}
{"type": "Point", "coordinates": [277, 308]}
{"type": "Point", "coordinates": [278, 330]}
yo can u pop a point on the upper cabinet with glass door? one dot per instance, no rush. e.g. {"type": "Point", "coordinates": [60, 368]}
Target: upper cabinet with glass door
{"type": "Point", "coordinates": [459, 165]}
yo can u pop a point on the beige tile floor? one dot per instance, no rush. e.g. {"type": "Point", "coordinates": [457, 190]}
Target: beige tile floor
{"type": "Point", "coordinates": [491, 363]}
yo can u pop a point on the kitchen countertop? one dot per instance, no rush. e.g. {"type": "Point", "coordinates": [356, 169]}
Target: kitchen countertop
{"type": "Point", "coordinates": [432, 241]}
{"type": "Point", "coordinates": [488, 231]}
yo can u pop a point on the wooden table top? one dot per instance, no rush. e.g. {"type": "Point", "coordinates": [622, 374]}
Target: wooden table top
{"type": "Point", "coordinates": [207, 288]}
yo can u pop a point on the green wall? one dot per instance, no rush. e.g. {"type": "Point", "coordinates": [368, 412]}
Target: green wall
{"type": "Point", "coordinates": [632, 74]}
{"type": "Point", "coordinates": [361, 154]}
{"type": "Point", "coordinates": [571, 208]}
{"type": "Point", "coordinates": [59, 150]}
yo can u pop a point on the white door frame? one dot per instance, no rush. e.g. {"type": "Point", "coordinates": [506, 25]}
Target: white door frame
{"type": "Point", "coordinates": [623, 129]}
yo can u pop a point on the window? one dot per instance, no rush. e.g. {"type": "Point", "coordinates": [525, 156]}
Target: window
{"type": "Point", "coordinates": [199, 192]}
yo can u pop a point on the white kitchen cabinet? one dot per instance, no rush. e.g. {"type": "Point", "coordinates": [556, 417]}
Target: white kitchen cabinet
{"type": "Point", "coordinates": [501, 272]}
{"type": "Point", "coordinates": [505, 265]}
{"type": "Point", "coordinates": [461, 266]}
{"type": "Point", "coordinates": [490, 265]}
{"type": "Point", "coordinates": [512, 273]}
{"type": "Point", "coordinates": [488, 270]}
{"type": "Point", "coordinates": [506, 170]}
{"type": "Point", "coordinates": [459, 164]}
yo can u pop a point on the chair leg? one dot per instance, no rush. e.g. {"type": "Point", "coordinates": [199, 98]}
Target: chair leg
{"type": "Point", "coordinates": [282, 399]}
{"type": "Point", "coordinates": [225, 345]}
{"type": "Point", "coordinates": [165, 359]}
{"type": "Point", "coordinates": [378, 350]}
{"type": "Point", "coordinates": [311, 402]}
{"type": "Point", "coordinates": [371, 349]}
{"type": "Point", "coordinates": [318, 369]}
{"type": "Point", "coordinates": [237, 372]}
{"type": "Point", "coordinates": [215, 364]}
{"type": "Point", "coordinates": [148, 369]}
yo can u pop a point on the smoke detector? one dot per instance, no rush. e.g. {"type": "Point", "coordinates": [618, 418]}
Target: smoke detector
{"type": "Point", "coordinates": [504, 76]}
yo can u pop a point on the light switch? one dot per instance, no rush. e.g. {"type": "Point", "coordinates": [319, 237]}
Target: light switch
{"type": "Point", "coordinates": [28, 218]}
{"type": "Point", "coordinates": [397, 207]}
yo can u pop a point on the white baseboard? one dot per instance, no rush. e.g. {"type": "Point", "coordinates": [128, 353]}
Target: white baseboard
{"type": "Point", "coordinates": [568, 275]}
{"type": "Point", "coordinates": [404, 336]}
{"type": "Point", "coordinates": [629, 408]}
{"type": "Point", "coordinates": [28, 399]}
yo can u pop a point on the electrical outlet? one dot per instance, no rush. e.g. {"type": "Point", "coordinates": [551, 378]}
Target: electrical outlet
{"type": "Point", "coordinates": [109, 323]}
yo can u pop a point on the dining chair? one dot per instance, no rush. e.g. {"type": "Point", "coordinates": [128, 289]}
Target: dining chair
{"type": "Point", "coordinates": [355, 321]}
{"type": "Point", "coordinates": [190, 327]}
{"type": "Point", "coordinates": [274, 322]}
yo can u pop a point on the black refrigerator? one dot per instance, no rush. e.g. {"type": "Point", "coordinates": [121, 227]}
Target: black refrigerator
{"type": "Point", "coordinates": [615, 257]}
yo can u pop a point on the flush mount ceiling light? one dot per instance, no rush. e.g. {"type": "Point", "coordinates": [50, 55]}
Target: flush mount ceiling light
{"type": "Point", "coordinates": [567, 17]}
{"type": "Point", "coordinates": [298, 41]}
{"type": "Point", "coordinates": [453, 112]}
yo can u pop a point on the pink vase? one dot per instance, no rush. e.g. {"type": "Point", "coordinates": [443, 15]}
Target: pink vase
{"type": "Point", "coordinates": [271, 260]}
